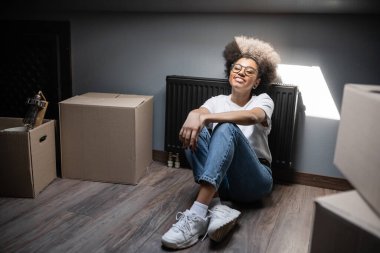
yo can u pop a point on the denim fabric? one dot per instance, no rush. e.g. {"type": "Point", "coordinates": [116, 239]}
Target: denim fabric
{"type": "Point", "coordinates": [226, 160]}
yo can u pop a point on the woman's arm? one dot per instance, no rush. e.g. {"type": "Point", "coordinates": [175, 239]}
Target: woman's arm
{"type": "Point", "coordinates": [245, 117]}
{"type": "Point", "coordinates": [190, 130]}
{"type": "Point", "coordinates": [198, 118]}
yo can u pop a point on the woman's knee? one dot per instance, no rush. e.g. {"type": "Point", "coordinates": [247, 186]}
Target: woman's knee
{"type": "Point", "coordinates": [225, 127]}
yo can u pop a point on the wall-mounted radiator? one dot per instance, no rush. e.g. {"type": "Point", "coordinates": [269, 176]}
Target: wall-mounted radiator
{"type": "Point", "coordinates": [186, 93]}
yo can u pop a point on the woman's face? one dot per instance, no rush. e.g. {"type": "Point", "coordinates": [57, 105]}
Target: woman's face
{"type": "Point", "coordinates": [244, 75]}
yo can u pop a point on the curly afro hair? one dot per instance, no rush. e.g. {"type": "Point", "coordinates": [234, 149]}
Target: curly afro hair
{"type": "Point", "coordinates": [261, 52]}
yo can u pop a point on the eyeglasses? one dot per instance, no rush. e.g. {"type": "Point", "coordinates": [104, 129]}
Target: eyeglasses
{"type": "Point", "coordinates": [248, 71]}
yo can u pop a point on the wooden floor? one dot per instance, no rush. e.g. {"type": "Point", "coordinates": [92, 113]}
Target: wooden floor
{"type": "Point", "coordinates": [81, 216]}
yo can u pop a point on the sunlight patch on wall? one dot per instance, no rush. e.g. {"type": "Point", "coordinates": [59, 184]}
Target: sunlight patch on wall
{"type": "Point", "coordinates": [316, 95]}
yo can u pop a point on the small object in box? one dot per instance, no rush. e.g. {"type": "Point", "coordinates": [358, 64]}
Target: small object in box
{"type": "Point", "coordinates": [36, 111]}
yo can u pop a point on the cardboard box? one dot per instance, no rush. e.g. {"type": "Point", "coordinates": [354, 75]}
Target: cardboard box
{"type": "Point", "coordinates": [344, 223]}
{"type": "Point", "coordinates": [106, 137]}
{"type": "Point", "coordinates": [27, 158]}
{"type": "Point", "coordinates": [357, 152]}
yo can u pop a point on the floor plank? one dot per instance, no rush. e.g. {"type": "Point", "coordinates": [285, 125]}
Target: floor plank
{"type": "Point", "coordinates": [82, 216]}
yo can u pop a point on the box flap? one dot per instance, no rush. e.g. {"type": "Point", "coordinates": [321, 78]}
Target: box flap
{"type": "Point", "coordinates": [371, 91]}
{"type": "Point", "coordinates": [130, 102]}
{"type": "Point", "coordinates": [135, 96]}
{"type": "Point", "coordinates": [100, 95]}
{"type": "Point", "coordinates": [350, 206]}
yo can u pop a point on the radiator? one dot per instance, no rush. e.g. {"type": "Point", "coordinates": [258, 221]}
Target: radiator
{"type": "Point", "coordinates": [184, 94]}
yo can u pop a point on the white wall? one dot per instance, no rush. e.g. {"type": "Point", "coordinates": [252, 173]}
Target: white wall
{"type": "Point", "coordinates": [133, 53]}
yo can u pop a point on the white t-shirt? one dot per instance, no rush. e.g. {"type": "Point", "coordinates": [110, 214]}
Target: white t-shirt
{"type": "Point", "coordinates": [257, 134]}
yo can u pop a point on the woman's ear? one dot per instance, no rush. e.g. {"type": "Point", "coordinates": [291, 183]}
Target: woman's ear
{"type": "Point", "coordinates": [258, 80]}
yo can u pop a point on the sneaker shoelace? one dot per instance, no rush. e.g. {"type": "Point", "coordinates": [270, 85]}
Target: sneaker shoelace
{"type": "Point", "coordinates": [184, 221]}
{"type": "Point", "coordinates": [216, 213]}
{"type": "Point", "coordinates": [207, 217]}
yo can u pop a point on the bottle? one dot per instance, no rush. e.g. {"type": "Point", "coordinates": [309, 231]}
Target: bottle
{"type": "Point", "coordinates": [170, 160]}
{"type": "Point", "coordinates": [177, 163]}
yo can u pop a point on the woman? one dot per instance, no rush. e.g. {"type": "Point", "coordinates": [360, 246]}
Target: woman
{"type": "Point", "coordinates": [232, 162]}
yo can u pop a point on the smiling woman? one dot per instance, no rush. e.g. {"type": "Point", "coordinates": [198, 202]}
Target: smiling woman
{"type": "Point", "coordinates": [234, 160]}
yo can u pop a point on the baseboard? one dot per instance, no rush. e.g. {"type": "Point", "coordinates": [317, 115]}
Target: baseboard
{"type": "Point", "coordinates": [160, 156]}
{"type": "Point", "coordinates": [288, 176]}
{"type": "Point", "coordinates": [295, 177]}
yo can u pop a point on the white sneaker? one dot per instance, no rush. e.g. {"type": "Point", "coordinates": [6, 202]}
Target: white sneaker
{"type": "Point", "coordinates": [223, 219]}
{"type": "Point", "coordinates": [186, 231]}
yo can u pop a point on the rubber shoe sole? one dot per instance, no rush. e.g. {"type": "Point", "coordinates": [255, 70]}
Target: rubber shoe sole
{"type": "Point", "coordinates": [222, 231]}
{"type": "Point", "coordinates": [187, 244]}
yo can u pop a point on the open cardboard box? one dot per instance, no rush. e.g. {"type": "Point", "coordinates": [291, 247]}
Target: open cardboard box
{"type": "Point", "coordinates": [27, 157]}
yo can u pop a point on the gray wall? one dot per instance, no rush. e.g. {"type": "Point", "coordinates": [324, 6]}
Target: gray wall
{"type": "Point", "coordinates": [133, 53]}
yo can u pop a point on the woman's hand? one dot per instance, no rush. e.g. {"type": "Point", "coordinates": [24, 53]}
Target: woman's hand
{"type": "Point", "coordinates": [190, 130]}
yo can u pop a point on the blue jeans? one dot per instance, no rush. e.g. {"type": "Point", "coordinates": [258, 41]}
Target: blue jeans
{"type": "Point", "coordinates": [225, 160]}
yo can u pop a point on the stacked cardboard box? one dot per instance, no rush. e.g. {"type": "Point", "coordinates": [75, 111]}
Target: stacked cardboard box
{"type": "Point", "coordinates": [350, 221]}
{"type": "Point", "coordinates": [345, 223]}
{"type": "Point", "coordinates": [106, 137]}
{"type": "Point", "coordinates": [27, 158]}
{"type": "Point", "coordinates": [357, 153]}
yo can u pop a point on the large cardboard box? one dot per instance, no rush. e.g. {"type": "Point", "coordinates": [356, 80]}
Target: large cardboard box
{"type": "Point", "coordinates": [357, 152]}
{"type": "Point", "coordinates": [106, 137]}
{"type": "Point", "coordinates": [27, 158]}
{"type": "Point", "coordinates": [344, 223]}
